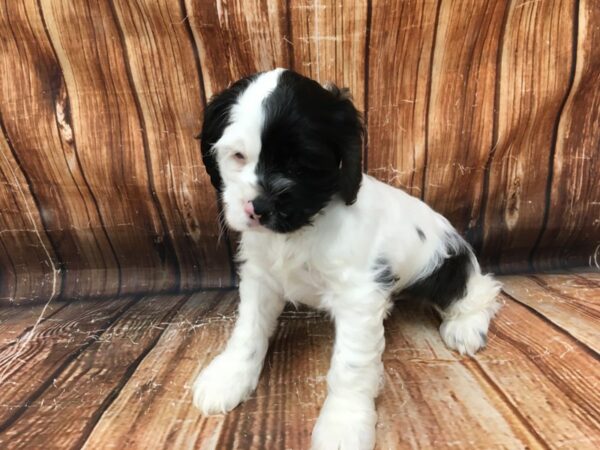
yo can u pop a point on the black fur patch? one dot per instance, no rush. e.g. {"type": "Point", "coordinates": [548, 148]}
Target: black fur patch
{"type": "Point", "coordinates": [448, 282]}
{"type": "Point", "coordinates": [421, 234]}
{"type": "Point", "coordinates": [384, 274]}
{"type": "Point", "coordinates": [311, 150]}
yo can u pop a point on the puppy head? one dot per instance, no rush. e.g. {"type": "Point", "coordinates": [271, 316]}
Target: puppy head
{"type": "Point", "coordinates": [279, 147]}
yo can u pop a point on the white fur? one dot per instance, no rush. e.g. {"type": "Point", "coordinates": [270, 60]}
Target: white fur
{"type": "Point", "coordinates": [330, 266]}
{"type": "Point", "coordinates": [243, 136]}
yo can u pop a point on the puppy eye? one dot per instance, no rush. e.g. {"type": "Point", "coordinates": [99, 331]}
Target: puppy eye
{"type": "Point", "coordinates": [239, 156]}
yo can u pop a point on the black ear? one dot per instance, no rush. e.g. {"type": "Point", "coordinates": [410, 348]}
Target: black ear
{"type": "Point", "coordinates": [349, 127]}
{"type": "Point", "coordinates": [216, 119]}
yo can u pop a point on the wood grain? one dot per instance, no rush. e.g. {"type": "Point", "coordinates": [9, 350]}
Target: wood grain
{"type": "Point", "coordinates": [45, 350]}
{"type": "Point", "coordinates": [112, 156]}
{"type": "Point", "coordinates": [571, 302]}
{"type": "Point", "coordinates": [158, 395]}
{"type": "Point", "coordinates": [29, 269]}
{"type": "Point", "coordinates": [66, 410]}
{"type": "Point", "coordinates": [329, 42]}
{"type": "Point", "coordinates": [534, 79]}
{"type": "Point", "coordinates": [16, 321]}
{"type": "Point", "coordinates": [593, 276]}
{"type": "Point", "coordinates": [461, 104]}
{"type": "Point", "coordinates": [400, 49]}
{"type": "Point", "coordinates": [430, 394]}
{"type": "Point", "coordinates": [114, 374]}
{"type": "Point", "coordinates": [549, 378]}
{"type": "Point", "coordinates": [32, 91]}
{"type": "Point", "coordinates": [571, 236]}
{"type": "Point", "coordinates": [157, 36]}
{"type": "Point", "coordinates": [238, 38]}
{"type": "Point", "coordinates": [487, 110]}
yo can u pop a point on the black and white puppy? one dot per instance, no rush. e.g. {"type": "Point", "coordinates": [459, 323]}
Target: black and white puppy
{"type": "Point", "coordinates": [284, 153]}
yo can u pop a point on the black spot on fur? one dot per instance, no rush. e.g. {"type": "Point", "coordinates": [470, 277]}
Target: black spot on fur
{"type": "Point", "coordinates": [421, 234]}
{"type": "Point", "coordinates": [483, 338]}
{"type": "Point", "coordinates": [384, 274]}
{"type": "Point", "coordinates": [448, 282]}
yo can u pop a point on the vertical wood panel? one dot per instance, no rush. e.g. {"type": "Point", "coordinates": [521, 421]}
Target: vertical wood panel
{"type": "Point", "coordinates": [161, 59]}
{"type": "Point", "coordinates": [460, 118]}
{"type": "Point", "coordinates": [535, 73]}
{"type": "Point", "coordinates": [238, 38]}
{"type": "Point", "coordinates": [35, 116]}
{"type": "Point", "coordinates": [400, 50]}
{"type": "Point", "coordinates": [488, 110]}
{"type": "Point", "coordinates": [572, 233]}
{"type": "Point", "coordinates": [329, 39]}
{"type": "Point", "coordinates": [107, 136]}
{"type": "Point", "coordinates": [28, 265]}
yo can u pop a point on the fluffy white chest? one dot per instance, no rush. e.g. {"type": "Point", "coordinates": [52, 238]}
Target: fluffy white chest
{"type": "Point", "coordinates": [299, 274]}
{"type": "Point", "coordinates": [305, 270]}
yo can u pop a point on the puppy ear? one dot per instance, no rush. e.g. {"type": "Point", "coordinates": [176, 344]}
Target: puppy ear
{"type": "Point", "coordinates": [213, 125]}
{"type": "Point", "coordinates": [216, 119]}
{"type": "Point", "coordinates": [349, 127]}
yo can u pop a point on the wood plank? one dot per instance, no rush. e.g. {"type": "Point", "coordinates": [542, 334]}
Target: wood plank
{"type": "Point", "coordinates": [28, 264]}
{"type": "Point", "coordinates": [399, 58]}
{"type": "Point", "coordinates": [534, 382]}
{"type": "Point", "coordinates": [68, 408]}
{"type": "Point", "coordinates": [294, 376]}
{"type": "Point", "coordinates": [535, 75]}
{"type": "Point", "coordinates": [432, 400]}
{"type": "Point", "coordinates": [280, 414]}
{"type": "Point", "coordinates": [589, 275]}
{"type": "Point", "coordinates": [108, 143]}
{"type": "Point", "coordinates": [17, 320]}
{"type": "Point", "coordinates": [461, 109]}
{"type": "Point", "coordinates": [549, 378]}
{"type": "Point", "coordinates": [157, 396]}
{"type": "Point", "coordinates": [568, 301]}
{"type": "Point", "coordinates": [571, 234]}
{"type": "Point", "coordinates": [329, 39]}
{"type": "Point", "coordinates": [283, 410]}
{"type": "Point", "coordinates": [32, 91]}
{"type": "Point", "coordinates": [238, 38]}
{"type": "Point", "coordinates": [28, 366]}
{"type": "Point", "coordinates": [156, 35]}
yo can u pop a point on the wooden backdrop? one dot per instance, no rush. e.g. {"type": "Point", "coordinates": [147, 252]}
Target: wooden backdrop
{"type": "Point", "coordinates": [488, 110]}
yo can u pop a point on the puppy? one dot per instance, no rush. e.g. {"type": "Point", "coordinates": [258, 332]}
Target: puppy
{"type": "Point", "coordinates": [284, 153]}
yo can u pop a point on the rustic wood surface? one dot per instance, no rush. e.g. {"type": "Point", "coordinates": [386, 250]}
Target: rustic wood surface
{"type": "Point", "coordinates": [117, 374]}
{"type": "Point", "coordinates": [489, 111]}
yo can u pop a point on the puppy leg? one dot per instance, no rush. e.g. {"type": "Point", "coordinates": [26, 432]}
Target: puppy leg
{"type": "Point", "coordinates": [233, 375]}
{"type": "Point", "coordinates": [465, 322]}
{"type": "Point", "coordinates": [348, 417]}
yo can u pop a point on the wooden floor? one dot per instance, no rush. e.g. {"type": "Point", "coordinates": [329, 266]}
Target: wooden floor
{"type": "Point", "coordinates": [105, 374]}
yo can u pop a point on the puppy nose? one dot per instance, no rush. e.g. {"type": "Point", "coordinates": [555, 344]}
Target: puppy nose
{"type": "Point", "coordinates": [249, 210]}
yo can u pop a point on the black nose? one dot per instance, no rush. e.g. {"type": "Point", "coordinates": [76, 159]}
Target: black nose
{"type": "Point", "coordinates": [262, 206]}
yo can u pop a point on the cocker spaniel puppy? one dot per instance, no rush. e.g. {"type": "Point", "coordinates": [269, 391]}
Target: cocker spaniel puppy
{"type": "Point", "coordinates": [284, 153]}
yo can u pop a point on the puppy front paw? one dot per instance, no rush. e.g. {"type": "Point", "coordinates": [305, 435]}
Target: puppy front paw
{"type": "Point", "coordinates": [224, 384]}
{"type": "Point", "coordinates": [345, 424]}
